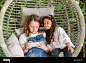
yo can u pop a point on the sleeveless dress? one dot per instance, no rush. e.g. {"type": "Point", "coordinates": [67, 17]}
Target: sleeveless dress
{"type": "Point", "coordinates": [34, 51]}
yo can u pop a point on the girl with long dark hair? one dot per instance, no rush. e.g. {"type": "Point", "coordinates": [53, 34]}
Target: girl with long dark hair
{"type": "Point", "coordinates": [57, 38]}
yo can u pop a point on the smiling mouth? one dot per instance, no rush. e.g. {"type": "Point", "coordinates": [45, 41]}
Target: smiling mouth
{"type": "Point", "coordinates": [46, 27]}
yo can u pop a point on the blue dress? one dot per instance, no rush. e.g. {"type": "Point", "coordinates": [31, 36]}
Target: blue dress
{"type": "Point", "coordinates": [34, 51]}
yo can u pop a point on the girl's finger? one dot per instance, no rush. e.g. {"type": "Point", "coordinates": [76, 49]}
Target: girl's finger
{"type": "Point", "coordinates": [68, 49]}
{"type": "Point", "coordinates": [43, 42]}
{"type": "Point", "coordinates": [30, 47]}
{"type": "Point", "coordinates": [39, 45]}
{"type": "Point", "coordinates": [72, 50]}
{"type": "Point", "coordinates": [30, 42]}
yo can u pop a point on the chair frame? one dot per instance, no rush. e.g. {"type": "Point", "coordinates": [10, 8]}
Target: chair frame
{"type": "Point", "coordinates": [82, 31]}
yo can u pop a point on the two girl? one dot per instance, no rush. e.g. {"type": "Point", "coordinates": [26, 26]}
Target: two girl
{"type": "Point", "coordinates": [56, 38]}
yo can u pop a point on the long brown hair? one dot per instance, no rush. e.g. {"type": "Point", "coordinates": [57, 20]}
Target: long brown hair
{"type": "Point", "coordinates": [50, 32]}
{"type": "Point", "coordinates": [30, 18]}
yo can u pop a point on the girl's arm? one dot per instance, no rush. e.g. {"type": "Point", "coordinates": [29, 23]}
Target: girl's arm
{"type": "Point", "coordinates": [23, 43]}
{"type": "Point", "coordinates": [66, 40]}
{"type": "Point", "coordinates": [24, 50]}
{"type": "Point", "coordinates": [47, 49]}
{"type": "Point", "coordinates": [42, 46]}
{"type": "Point", "coordinates": [68, 44]}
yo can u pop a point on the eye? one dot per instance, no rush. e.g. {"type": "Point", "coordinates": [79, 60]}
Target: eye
{"type": "Point", "coordinates": [47, 22]}
{"type": "Point", "coordinates": [44, 23]}
{"type": "Point", "coordinates": [37, 26]}
{"type": "Point", "coordinates": [32, 26]}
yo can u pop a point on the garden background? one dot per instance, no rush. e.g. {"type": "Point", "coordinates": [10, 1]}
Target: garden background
{"type": "Point", "coordinates": [82, 4]}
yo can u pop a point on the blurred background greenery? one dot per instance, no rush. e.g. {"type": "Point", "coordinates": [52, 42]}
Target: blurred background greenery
{"type": "Point", "coordinates": [82, 4]}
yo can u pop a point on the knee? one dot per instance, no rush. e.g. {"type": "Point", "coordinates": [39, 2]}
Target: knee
{"type": "Point", "coordinates": [67, 53]}
{"type": "Point", "coordinates": [55, 53]}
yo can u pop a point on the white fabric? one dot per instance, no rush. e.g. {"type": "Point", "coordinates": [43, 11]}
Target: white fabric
{"type": "Point", "coordinates": [60, 38]}
{"type": "Point", "coordinates": [16, 50]}
{"type": "Point", "coordinates": [23, 38]}
{"type": "Point", "coordinates": [34, 35]}
{"type": "Point", "coordinates": [12, 40]}
{"type": "Point", "coordinates": [14, 47]}
{"type": "Point", "coordinates": [38, 11]}
{"type": "Point", "coordinates": [19, 31]}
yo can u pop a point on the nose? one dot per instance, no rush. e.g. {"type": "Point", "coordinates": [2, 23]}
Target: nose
{"type": "Point", "coordinates": [45, 25]}
{"type": "Point", "coordinates": [34, 28]}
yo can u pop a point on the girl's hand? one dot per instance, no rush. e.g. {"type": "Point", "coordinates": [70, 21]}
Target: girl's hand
{"type": "Point", "coordinates": [71, 49]}
{"type": "Point", "coordinates": [28, 45]}
{"type": "Point", "coordinates": [42, 46]}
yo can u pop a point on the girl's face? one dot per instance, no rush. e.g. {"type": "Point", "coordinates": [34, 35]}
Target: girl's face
{"type": "Point", "coordinates": [47, 23]}
{"type": "Point", "coordinates": [33, 27]}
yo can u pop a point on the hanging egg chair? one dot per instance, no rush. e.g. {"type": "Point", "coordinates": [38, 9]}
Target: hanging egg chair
{"type": "Point", "coordinates": [67, 13]}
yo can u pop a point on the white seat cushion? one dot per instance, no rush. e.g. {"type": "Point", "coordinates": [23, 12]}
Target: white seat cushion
{"type": "Point", "coordinates": [38, 11]}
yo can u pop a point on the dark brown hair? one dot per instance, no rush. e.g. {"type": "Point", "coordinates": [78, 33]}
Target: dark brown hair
{"type": "Point", "coordinates": [50, 32]}
{"type": "Point", "coordinates": [30, 18]}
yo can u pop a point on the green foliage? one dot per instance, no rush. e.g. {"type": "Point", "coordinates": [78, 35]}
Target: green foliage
{"type": "Point", "coordinates": [1, 3]}
{"type": "Point", "coordinates": [2, 53]}
{"type": "Point", "coordinates": [83, 8]}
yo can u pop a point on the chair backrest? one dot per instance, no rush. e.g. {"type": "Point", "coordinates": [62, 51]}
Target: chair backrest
{"type": "Point", "coordinates": [64, 13]}
{"type": "Point", "coordinates": [67, 14]}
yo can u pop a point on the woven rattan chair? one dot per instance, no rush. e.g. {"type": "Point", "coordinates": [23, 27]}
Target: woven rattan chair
{"type": "Point", "coordinates": [67, 14]}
